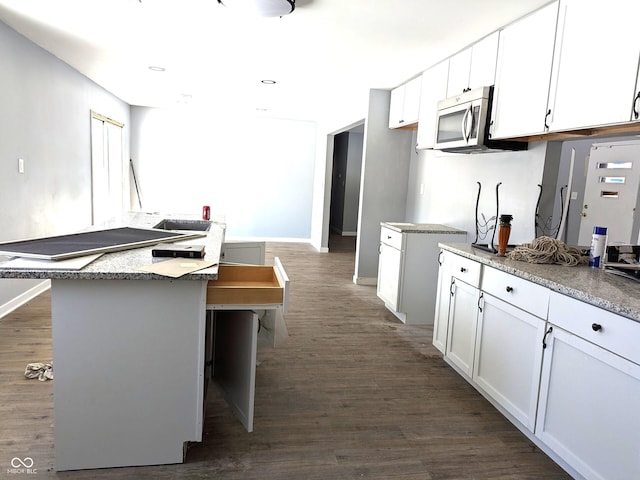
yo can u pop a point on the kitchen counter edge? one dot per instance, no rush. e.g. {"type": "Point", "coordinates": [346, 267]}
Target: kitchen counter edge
{"type": "Point", "coordinates": [590, 285]}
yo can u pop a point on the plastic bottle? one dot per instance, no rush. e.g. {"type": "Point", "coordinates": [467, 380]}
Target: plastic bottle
{"type": "Point", "coordinates": [598, 246]}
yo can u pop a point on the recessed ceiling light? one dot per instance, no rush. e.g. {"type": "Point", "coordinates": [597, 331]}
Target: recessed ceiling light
{"type": "Point", "coordinates": [264, 8]}
{"type": "Point", "coordinates": [156, 69]}
{"type": "Point", "coordinates": [268, 82]}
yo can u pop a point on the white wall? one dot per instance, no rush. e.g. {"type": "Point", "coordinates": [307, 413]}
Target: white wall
{"type": "Point", "coordinates": [45, 119]}
{"type": "Point", "coordinates": [257, 172]}
{"type": "Point", "coordinates": [450, 188]}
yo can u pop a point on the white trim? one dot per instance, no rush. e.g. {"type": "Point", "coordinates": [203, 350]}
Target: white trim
{"type": "Point", "coordinates": [349, 234]}
{"type": "Point", "coordinates": [24, 297]}
{"type": "Point", "coordinates": [365, 280]}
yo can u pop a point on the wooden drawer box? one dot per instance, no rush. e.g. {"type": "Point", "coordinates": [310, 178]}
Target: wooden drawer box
{"type": "Point", "coordinates": [249, 285]}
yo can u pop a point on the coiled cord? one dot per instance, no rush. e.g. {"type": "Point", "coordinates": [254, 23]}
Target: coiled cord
{"type": "Point", "coordinates": [548, 250]}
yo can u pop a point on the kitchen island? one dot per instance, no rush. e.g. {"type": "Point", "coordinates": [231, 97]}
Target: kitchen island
{"type": "Point", "coordinates": [554, 348]}
{"type": "Point", "coordinates": [131, 351]}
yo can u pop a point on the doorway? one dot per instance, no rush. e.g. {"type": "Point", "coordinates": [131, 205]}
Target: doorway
{"type": "Point", "coordinates": [108, 190]}
{"type": "Point", "coordinates": [611, 192]}
{"type": "Point", "coordinates": [345, 189]}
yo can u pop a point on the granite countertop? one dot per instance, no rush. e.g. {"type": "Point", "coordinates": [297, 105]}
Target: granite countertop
{"type": "Point", "coordinates": [421, 228]}
{"type": "Point", "coordinates": [123, 265]}
{"type": "Point", "coordinates": [591, 285]}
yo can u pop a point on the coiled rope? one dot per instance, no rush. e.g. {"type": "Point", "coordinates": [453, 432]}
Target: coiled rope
{"type": "Point", "coordinates": [548, 250]}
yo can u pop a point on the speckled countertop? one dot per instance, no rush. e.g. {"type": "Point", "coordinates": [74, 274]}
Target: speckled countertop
{"type": "Point", "coordinates": [124, 265]}
{"type": "Point", "coordinates": [421, 228]}
{"type": "Point", "coordinates": [591, 285]}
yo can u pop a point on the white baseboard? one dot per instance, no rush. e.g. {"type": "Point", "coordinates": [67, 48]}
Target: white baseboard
{"type": "Point", "coordinates": [23, 298]}
{"type": "Point", "coordinates": [365, 280]}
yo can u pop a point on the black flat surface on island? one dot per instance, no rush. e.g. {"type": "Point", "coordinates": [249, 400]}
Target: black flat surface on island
{"type": "Point", "coordinates": [77, 244]}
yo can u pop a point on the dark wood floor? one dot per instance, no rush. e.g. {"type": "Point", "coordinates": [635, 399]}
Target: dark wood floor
{"type": "Point", "coordinates": [351, 393]}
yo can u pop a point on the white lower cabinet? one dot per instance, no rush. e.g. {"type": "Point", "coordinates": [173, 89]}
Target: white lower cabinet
{"type": "Point", "coordinates": [443, 293]}
{"type": "Point", "coordinates": [463, 318]}
{"type": "Point", "coordinates": [389, 275]}
{"type": "Point", "coordinates": [508, 357]}
{"type": "Point", "coordinates": [565, 372]}
{"type": "Point", "coordinates": [589, 396]}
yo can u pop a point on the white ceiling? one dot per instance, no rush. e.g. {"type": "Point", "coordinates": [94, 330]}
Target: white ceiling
{"type": "Point", "coordinates": [323, 54]}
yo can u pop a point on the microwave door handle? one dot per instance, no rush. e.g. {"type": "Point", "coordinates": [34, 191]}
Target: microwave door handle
{"type": "Point", "coordinates": [466, 125]}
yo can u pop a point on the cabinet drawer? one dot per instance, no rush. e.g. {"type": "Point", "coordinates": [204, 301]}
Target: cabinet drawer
{"type": "Point", "coordinates": [391, 238]}
{"type": "Point", "coordinates": [608, 330]}
{"type": "Point", "coordinates": [522, 293]}
{"type": "Point", "coordinates": [244, 285]}
{"type": "Point", "coordinates": [465, 269]}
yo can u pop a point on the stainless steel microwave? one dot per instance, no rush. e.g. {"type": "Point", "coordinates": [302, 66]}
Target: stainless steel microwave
{"type": "Point", "coordinates": [462, 124]}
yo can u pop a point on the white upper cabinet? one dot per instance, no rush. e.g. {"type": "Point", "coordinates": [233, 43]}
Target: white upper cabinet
{"type": "Point", "coordinates": [473, 67]}
{"type": "Point", "coordinates": [434, 89]}
{"type": "Point", "coordinates": [405, 104]}
{"type": "Point", "coordinates": [523, 73]}
{"type": "Point", "coordinates": [595, 66]}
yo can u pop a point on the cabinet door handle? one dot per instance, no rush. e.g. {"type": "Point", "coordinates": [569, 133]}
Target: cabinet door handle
{"type": "Point", "coordinates": [596, 327]}
{"type": "Point", "coordinates": [636, 113]}
{"type": "Point", "coordinates": [462, 269]}
{"type": "Point", "coordinates": [453, 281]}
{"type": "Point", "coordinates": [440, 258]}
{"type": "Point", "coordinates": [546, 125]}
{"type": "Point", "coordinates": [544, 339]}
{"type": "Point", "coordinates": [480, 301]}
{"type": "Point", "coordinates": [509, 289]}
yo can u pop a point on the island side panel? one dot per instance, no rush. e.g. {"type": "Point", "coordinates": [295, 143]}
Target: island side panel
{"type": "Point", "coordinates": [129, 369]}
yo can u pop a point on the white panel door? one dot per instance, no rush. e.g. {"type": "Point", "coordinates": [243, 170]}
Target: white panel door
{"type": "Point", "coordinates": [595, 63]}
{"type": "Point", "coordinates": [443, 294]}
{"type": "Point", "coordinates": [588, 409]}
{"type": "Point", "coordinates": [109, 191]}
{"type": "Point", "coordinates": [463, 318]}
{"type": "Point", "coordinates": [389, 275]}
{"type": "Point", "coordinates": [508, 357]}
{"type": "Point", "coordinates": [434, 89]}
{"type": "Point", "coordinates": [611, 191]}
{"type": "Point", "coordinates": [484, 54]}
{"type": "Point", "coordinates": [523, 73]}
{"type": "Point", "coordinates": [234, 368]}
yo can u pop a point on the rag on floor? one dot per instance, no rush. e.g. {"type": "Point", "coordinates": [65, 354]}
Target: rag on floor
{"type": "Point", "coordinates": [41, 371]}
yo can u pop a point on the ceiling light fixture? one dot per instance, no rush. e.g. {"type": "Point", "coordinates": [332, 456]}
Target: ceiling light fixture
{"type": "Point", "coordinates": [268, 82]}
{"type": "Point", "coordinates": [264, 8]}
{"type": "Point", "coordinates": [156, 68]}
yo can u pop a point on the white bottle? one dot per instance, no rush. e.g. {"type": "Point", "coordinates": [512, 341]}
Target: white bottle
{"type": "Point", "coordinates": [598, 247]}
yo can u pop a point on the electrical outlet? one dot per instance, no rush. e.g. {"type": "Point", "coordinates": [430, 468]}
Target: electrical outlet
{"type": "Point", "coordinates": [574, 195]}
{"type": "Point", "coordinates": [21, 165]}
{"type": "Point", "coordinates": [422, 189]}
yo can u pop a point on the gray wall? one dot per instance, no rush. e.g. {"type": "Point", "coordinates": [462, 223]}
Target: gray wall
{"type": "Point", "coordinates": [352, 188]}
{"type": "Point", "coordinates": [257, 173]}
{"type": "Point", "coordinates": [45, 119]}
{"type": "Point", "coordinates": [385, 175]}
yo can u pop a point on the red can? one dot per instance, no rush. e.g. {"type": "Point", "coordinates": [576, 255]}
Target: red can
{"type": "Point", "coordinates": [206, 212]}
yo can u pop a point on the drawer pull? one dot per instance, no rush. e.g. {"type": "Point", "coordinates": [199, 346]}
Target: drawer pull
{"type": "Point", "coordinates": [462, 269]}
{"type": "Point", "coordinates": [509, 289]}
{"type": "Point", "coordinates": [596, 327]}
